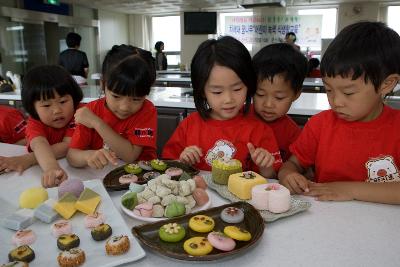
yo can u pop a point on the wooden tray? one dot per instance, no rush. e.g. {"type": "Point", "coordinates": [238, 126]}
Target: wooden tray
{"type": "Point", "coordinates": [111, 180]}
{"type": "Point", "coordinates": [148, 234]}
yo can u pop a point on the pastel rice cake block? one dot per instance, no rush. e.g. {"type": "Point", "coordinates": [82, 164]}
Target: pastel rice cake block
{"type": "Point", "coordinates": [66, 206]}
{"type": "Point", "coordinates": [19, 220]}
{"type": "Point", "coordinates": [45, 211]}
{"type": "Point", "coordinates": [240, 184]}
{"type": "Point", "coordinates": [88, 201]}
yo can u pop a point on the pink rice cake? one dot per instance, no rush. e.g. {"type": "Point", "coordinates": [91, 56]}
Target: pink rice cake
{"type": "Point", "coordinates": [24, 237]}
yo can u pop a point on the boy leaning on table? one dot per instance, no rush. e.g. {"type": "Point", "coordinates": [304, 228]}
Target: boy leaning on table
{"type": "Point", "coordinates": [355, 146]}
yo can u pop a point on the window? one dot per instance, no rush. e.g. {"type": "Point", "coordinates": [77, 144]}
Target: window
{"type": "Point", "coordinates": [168, 30]}
{"type": "Point", "coordinates": [393, 18]}
{"type": "Point", "coordinates": [221, 28]}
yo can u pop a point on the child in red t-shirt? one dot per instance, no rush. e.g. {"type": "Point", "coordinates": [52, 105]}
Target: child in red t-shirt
{"type": "Point", "coordinates": [50, 95]}
{"type": "Point", "coordinates": [223, 83]}
{"type": "Point", "coordinates": [123, 124]}
{"type": "Point", "coordinates": [355, 146]}
{"type": "Point", "coordinates": [12, 126]}
{"type": "Point", "coordinates": [280, 71]}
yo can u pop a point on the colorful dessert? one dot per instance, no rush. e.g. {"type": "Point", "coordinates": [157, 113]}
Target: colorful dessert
{"type": "Point", "coordinates": [174, 209]}
{"type": "Point", "coordinates": [88, 201]}
{"type": "Point", "coordinates": [73, 186]}
{"type": "Point", "coordinates": [201, 196]}
{"type": "Point", "coordinates": [19, 219]}
{"type": "Point", "coordinates": [201, 223]}
{"type": "Point", "coordinates": [144, 209]}
{"type": "Point", "coordinates": [171, 232]}
{"type": "Point", "coordinates": [200, 183]}
{"type": "Point", "coordinates": [129, 200]}
{"type": "Point", "coordinates": [232, 215]}
{"type": "Point", "coordinates": [174, 171]}
{"type": "Point", "coordinates": [222, 168]}
{"type": "Point", "coordinates": [33, 197]}
{"type": "Point", "coordinates": [158, 165]}
{"type": "Point", "coordinates": [22, 253]}
{"type": "Point", "coordinates": [197, 246]}
{"type": "Point", "coordinates": [117, 245]}
{"type": "Point", "coordinates": [150, 175]}
{"type": "Point", "coordinates": [220, 241]}
{"type": "Point", "coordinates": [24, 237]}
{"type": "Point", "coordinates": [128, 178]}
{"type": "Point", "coordinates": [93, 220]}
{"type": "Point", "coordinates": [68, 241]}
{"type": "Point", "coordinates": [132, 168]}
{"type": "Point", "coordinates": [45, 211]}
{"type": "Point", "coordinates": [273, 197]}
{"type": "Point", "coordinates": [237, 233]}
{"type": "Point", "coordinates": [240, 184]}
{"type": "Point", "coordinates": [71, 258]}
{"type": "Point", "coordinates": [66, 205]}
{"type": "Point", "coordinates": [145, 165]}
{"type": "Point", "coordinates": [61, 227]}
{"type": "Point", "coordinates": [15, 264]}
{"type": "Point", "coordinates": [136, 188]}
{"type": "Point", "coordinates": [101, 232]}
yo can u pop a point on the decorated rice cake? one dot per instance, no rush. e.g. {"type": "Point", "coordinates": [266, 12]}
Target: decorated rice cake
{"type": "Point", "coordinates": [240, 184]}
{"type": "Point", "coordinates": [66, 206]}
{"type": "Point", "coordinates": [88, 201]}
{"type": "Point", "coordinates": [221, 169]}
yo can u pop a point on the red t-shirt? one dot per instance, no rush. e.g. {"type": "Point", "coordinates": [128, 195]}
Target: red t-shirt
{"type": "Point", "coordinates": [37, 128]}
{"type": "Point", "coordinates": [226, 138]}
{"type": "Point", "coordinates": [351, 151]}
{"type": "Point", "coordinates": [140, 129]}
{"type": "Point", "coordinates": [12, 125]}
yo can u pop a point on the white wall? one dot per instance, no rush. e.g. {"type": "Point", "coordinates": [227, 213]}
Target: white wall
{"type": "Point", "coordinates": [349, 13]}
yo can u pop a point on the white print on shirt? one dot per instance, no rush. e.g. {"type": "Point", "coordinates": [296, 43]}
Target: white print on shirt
{"type": "Point", "coordinates": [143, 132]}
{"type": "Point", "coordinates": [382, 169]}
{"type": "Point", "coordinates": [221, 149]}
{"type": "Point", "coordinates": [275, 155]}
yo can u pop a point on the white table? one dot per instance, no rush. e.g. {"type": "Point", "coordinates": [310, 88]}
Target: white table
{"type": "Point", "coordinates": [328, 234]}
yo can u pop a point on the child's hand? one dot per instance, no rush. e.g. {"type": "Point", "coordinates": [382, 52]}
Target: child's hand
{"type": "Point", "coordinates": [296, 183]}
{"type": "Point", "coordinates": [338, 191]}
{"type": "Point", "coordinates": [260, 156]}
{"type": "Point", "coordinates": [191, 155]}
{"type": "Point", "coordinates": [17, 163]}
{"type": "Point", "coordinates": [86, 117]}
{"type": "Point", "coordinates": [53, 177]}
{"type": "Point", "coordinates": [100, 158]}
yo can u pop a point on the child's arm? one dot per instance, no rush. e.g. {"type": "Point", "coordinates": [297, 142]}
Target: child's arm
{"type": "Point", "coordinates": [95, 159]}
{"type": "Point", "coordinates": [121, 146]}
{"type": "Point", "coordinates": [290, 175]}
{"type": "Point", "coordinates": [388, 193]}
{"type": "Point", "coordinates": [263, 159]}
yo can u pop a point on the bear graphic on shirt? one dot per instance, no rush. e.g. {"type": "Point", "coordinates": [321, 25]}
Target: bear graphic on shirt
{"type": "Point", "coordinates": [382, 169]}
{"type": "Point", "coordinates": [221, 149]}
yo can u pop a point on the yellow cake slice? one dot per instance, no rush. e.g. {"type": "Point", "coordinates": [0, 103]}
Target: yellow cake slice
{"type": "Point", "coordinates": [65, 206]}
{"type": "Point", "coordinates": [88, 201]}
{"type": "Point", "coordinates": [240, 184]}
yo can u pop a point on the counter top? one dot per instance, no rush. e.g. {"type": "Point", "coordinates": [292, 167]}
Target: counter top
{"type": "Point", "coordinates": [350, 233]}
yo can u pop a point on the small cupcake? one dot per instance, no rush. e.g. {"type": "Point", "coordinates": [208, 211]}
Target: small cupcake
{"type": "Point", "coordinates": [61, 227]}
{"type": "Point", "coordinates": [117, 245]}
{"type": "Point", "coordinates": [22, 253]}
{"type": "Point", "coordinates": [71, 258]}
{"type": "Point", "coordinates": [101, 232]}
{"type": "Point", "coordinates": [24, 237]}
{"type": "Point", "coordinates": [68, 241]}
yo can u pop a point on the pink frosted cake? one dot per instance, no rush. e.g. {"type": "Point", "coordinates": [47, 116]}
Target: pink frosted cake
{"type": "Point", "coordinates": [273, 197]}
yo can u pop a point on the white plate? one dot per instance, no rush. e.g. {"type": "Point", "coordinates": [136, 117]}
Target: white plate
{"type": "Point", "coordinates": [152, 219]}
{"type": "Point", "coordinates": [45, 246]}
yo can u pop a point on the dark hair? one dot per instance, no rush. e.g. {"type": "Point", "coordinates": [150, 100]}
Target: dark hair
{"type": "Point", "coordinates": [365, 48]}
{"type": "Point", "coordinates": [41, 82]}
{"type": "Point", "coordinates": [281, 58]}
{"type": "Point", "coordinates": [158, 45]}
{"type": "Point", "coordinates": [291, 34]}
{"type": "Point", "coordinates": [225, 51]}
{"type": "Point", "coordinates": [128, 70]}
{"type": "Point", "coordinates": [313, 63]}
{"type": "Point", "coordinates": [73, 39]}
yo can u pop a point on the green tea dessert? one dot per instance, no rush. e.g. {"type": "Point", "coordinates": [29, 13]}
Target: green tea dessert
{"type": "Point", "coordinates": [68, 241]}
{"type": "Point", "coordinates": [21, 253]}
{"type": "Point", "coordinates": [158, 165]}
{"type": "Point", "coordinates": [171, 232]}
{"type": "Point", "coordinates": [129, 200]}
{"type": "Point", "coordinates": [101, 232]}
{"type": "Point", "coordinates": [132, 168]}
{"type": "Point", "coordinates": [222, 168]}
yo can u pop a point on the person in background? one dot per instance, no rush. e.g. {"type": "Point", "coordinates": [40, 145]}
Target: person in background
{"type": "Point", "coordinates": [72, 59]}
{"type": "Point", "coordinates": [161, 59]}
{"type": "Point", "coordinates": [290, 38]}
{"type": "Point", "coordinates": [123, 124]}
{"type": "Point", "coordinates": [280, 71]}
{"type": "Point", "coordinates": [223, 83]}
{"type": "Point", "coordinates": [354, 146]}
{"type": "Point", "coordinates": [12, 126]}
{"type": "Point", "coordinates": [50, 96]}
{"type": "Point", "coordinates": [313, 70]}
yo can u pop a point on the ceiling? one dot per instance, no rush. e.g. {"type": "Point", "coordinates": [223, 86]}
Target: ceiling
{"type": "Point", "coordinates": [174, 6]}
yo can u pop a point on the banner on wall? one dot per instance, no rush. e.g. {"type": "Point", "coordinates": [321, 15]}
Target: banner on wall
{"type": "Point", "coordinates": [268, 29]}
